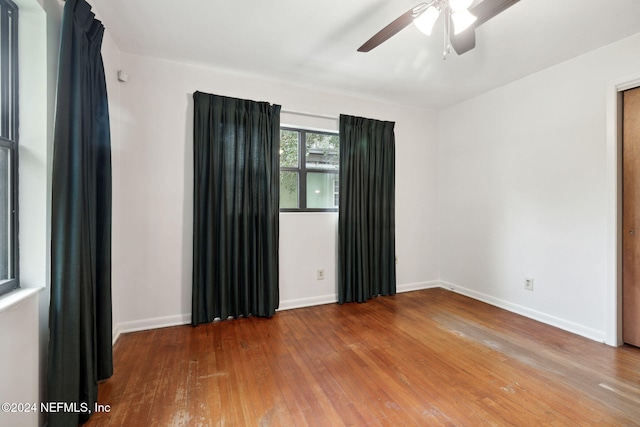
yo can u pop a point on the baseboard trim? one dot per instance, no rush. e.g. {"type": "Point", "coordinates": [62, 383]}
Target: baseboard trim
{"type": "Point", "coordinates": [115, 334]}
{"type": "Point", "coordinates": [557, 322]}
{"type": "Point", "coordinates": [330, 299]}
{"type": "Point", "coordinates": [418, 286]}
{"type": "Point", "coordinates": [307, 302]}
{"type": "Point", "coordinates": [185, 319]}
{"type": "Point", "coordinates": [153, 323]}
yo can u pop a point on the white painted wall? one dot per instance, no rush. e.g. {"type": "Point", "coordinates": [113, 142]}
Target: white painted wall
{"type": "Point", "coordinates": [523, 177]}
{"type": "Point", "coordinates": [111, 60]}
{"type": "Point", "coordinates": [19, 352]}
{"type": "Point", "coordinates": [152, 266]}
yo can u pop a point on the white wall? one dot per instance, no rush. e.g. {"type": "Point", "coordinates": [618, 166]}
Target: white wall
{"type": "Point", "coordinates": [523, 191]}
{"type": "Point", "coordinates": [19, 371]}
{"type": "Point", "coordinates": [111, 60]}
{"type": "Point", "coordinates": [152, 266]}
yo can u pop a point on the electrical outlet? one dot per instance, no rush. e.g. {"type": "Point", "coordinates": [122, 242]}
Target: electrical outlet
{"type": "Point", "coordinates": [528, 284]}
{"type": "Point", "coordinates": [321, 274]}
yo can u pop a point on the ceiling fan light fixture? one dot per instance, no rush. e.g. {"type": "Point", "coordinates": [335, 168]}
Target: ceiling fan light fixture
{"type": "Point", "coordinates": [456, 14]}
{"type": "Point", "coordinates": [462, 20]}
{"type": "Point", "coordinates": [426, 21]}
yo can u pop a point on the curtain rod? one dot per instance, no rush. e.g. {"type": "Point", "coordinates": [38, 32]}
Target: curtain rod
{"type": "Point", "coordinates": [304, 113]}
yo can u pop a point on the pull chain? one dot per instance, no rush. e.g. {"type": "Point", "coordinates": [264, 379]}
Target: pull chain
{"type": "Point", "coordinates": [447, 32]}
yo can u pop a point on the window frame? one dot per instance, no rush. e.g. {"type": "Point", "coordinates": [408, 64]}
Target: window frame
{"type": "Point", "coordinates": [9, 129]}
{"type": "Point", "coordinates": [302, 170]}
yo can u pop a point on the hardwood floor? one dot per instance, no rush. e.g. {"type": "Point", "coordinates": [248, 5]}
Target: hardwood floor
{"type": "Point", "coordinates": [429, 357]}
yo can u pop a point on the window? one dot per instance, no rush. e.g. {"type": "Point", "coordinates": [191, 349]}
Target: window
{"type": "Point", "coordinates": [308, 170]}
{"type": "Point", "coordinates": [8, 146]}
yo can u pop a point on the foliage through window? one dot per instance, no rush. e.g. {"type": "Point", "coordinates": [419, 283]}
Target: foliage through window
{"type": "Point", "coordinates": [8, 146]}
{"type": "Point", "coordinates": [308, 170]}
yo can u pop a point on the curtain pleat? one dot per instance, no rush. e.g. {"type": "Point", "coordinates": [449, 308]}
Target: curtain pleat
{"type": "Point", "coordinates": [80, 344]}
{"type": "Point", "coordinates": [366, 224]}
{"type": "Point", "coordinates": [236, 208]}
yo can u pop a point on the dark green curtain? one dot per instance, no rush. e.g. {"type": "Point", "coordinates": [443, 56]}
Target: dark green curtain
{"type": "Point", "coordinates": [366, 224]}
{"type": "Point", "coordinates": [80, 343]}
{"type": "Point", "coordinates": [236, 208]}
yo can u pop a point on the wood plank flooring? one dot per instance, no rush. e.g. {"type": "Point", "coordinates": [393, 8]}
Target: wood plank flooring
{"type": "Point", "coordinates": [428, 357]}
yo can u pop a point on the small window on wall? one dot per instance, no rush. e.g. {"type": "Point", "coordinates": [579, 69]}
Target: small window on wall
{"type": "Point", "coordinates": [309, 175]}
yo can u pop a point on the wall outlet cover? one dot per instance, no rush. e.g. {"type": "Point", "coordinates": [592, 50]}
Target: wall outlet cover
{"type": "Point", "coordinates": [528, 284]}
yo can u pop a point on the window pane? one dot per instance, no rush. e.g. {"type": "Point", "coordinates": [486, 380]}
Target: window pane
{"type": "Point", "coordinates": [4, 131]}
{"type": "Point", "coordinates": [12, 55]}
{"type": "Point", "coordinates": [288, 189]}
{"type": "Point", "coordinates": [322, 151]}
{"type": "Point", "coordinates": [8, 144]}
{"type": "Point", "coordinates": [289, 148]}
{"type": "Point", "coordinates": [5, 206]}
{"type": "Point", "coordinates": [322, 190]}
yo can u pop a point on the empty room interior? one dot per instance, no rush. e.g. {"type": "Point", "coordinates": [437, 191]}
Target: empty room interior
{"type": "Point", "coordinates": [443, 233]}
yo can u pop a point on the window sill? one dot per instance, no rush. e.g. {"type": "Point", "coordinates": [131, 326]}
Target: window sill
{"type": "Point", "coordinates": [16, 297]}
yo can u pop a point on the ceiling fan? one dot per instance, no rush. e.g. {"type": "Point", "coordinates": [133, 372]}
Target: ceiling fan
{"type": "Point", "coordinates": [457, 14]}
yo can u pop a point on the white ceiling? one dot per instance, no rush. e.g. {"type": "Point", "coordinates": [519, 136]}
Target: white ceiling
{"type": "Point", "coordinates": [314, 43]}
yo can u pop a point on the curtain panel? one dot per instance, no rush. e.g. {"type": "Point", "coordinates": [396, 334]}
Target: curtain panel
{"type": "Point", "coordinates": [80, 344]}
{"type": "Point", "coordinates": [366, 223]}
{"type": "Point", "coordinates": [236, 208]}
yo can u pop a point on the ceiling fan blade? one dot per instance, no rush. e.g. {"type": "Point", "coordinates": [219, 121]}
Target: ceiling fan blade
{"type": "Point", "coordinates": [393, 28]}
{"type": "Point", "coordinates": [464, 41]}
{"type": "Point", "coordinates": [485, 10]}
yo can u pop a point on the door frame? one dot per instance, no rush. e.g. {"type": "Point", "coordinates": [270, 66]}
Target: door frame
{"type": "Point", "coordinates": [613, 280]}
